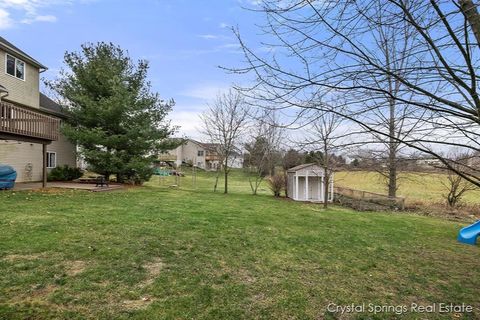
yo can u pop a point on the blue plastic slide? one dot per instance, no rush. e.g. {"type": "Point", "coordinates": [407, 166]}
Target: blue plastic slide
{"type": "Point", "coordinates": [470, 234]}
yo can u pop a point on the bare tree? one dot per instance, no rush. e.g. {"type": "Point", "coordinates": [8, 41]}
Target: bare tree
{"type": "Point", "coordinates": [455, 186]}
{"type": "Point", "coordinates": [325, 136]}
{"type": "Point", "coordinates": [263, 146]}
{"type": "Point", "coordinates": [224, 122]}
{"type": "Point", "coordinates": [331, 47]}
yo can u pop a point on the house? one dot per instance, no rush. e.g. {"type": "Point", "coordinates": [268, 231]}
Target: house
{"type": "Point", "coordinates": [201, 154]}
{"type": "Point", "coordinates": [30, 140]}
{"type": "Point", "coordinates": [429, 162]}
{"type": "Point", "coordinates": [305, 183]}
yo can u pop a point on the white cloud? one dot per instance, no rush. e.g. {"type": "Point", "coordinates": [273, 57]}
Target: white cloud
{"type": "Point", "coordinates": [206, 92]}
{"type": "Point", "coordinates": [224, 25]}
{"type": "Point", "coordinates": [189, 122]}
{"type": "Point", "coordinates": [5, 20]}
{"type": "Point", "coordinates": [208, 36]}
{"type": "Point", "coordinates": [13, 12]}
{"type": "Point", "coordinates": [47, 18]}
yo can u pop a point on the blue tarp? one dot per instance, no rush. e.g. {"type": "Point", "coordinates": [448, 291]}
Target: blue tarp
{"type": "Point", "coordinates": [8, 175]}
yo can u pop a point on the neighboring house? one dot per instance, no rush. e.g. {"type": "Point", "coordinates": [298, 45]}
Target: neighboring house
{"type": "Point", "coordinates": [30, 140]}
{"type": "Point", "coordinates": [200, 154]}
{"type": "Point", "coordinates": [305, 183]}
{"type": "Point", "coordinates": [429, 162]}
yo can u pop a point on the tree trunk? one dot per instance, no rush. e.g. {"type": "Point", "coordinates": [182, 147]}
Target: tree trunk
{"type": "Point", "coordinates": [326, 177]}
{"type": "Point", "coordinates": [226, 180]}
{"type": "Point", "coordinates": [392, 154]}
{"type": "Point", "coordinates": [471, 13]}
{"type": "Point", "coordinates": [216, 180]}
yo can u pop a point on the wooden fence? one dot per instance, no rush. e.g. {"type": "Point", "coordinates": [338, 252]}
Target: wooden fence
{"type": "Point", "coordinates": [24, 122]}
{"type": "Point", "coordinates": [398, 202]}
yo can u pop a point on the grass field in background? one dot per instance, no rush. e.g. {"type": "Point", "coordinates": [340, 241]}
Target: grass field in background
{"type": "Point", "coordinates": [415, 186]}
{"type": "Point", "coordinates": [159, 252]}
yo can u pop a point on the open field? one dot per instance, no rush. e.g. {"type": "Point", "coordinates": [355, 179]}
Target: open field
{"type": "Point", "coordinates": [163, 253]}
{"type": "Point", "coordinates": [417, 186]}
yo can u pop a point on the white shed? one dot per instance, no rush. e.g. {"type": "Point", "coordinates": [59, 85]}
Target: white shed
{"type": "Point", "coordinates": [305, 183]}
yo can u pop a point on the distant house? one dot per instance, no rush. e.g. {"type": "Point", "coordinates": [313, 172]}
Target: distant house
{"type": "Point", "coordinates": [305, 183]}
{"type": "Point", "coordinates": [200, 154]}
{"type": "Point", "coordinates": [429, 162]}
{"type": "Point", "coordinates": [30, 140]}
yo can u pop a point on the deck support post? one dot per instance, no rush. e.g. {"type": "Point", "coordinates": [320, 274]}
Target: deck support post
{"type": "Point", "coordinates": [44, 166]}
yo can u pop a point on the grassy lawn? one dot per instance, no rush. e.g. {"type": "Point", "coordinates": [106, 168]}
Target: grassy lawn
{"type": "Point", "coordinates": [424, 187]}
{"type": "Point", "coordinates": [163, 253]}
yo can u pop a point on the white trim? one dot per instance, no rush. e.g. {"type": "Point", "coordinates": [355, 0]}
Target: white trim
{"type": "Point", "coordinates": [319, 188]}
{"type": "Point", "coordinates": [48, 158]}
{"type": "Point", "coordinates": [296, 187]}
{"type": "Point", "coordinates": [15, 67]}
{"type": "Point", "coordinates": [306, 187]}
{"type": "Point", "coordinates": [322, 198]}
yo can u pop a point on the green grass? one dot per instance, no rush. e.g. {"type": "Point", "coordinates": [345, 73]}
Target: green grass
{"type": "Point", "coordinates": [163, 253]}
{"type": "Point", "coordinates": [423, 187]}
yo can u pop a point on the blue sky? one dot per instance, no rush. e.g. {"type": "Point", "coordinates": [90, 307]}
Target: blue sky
{"type": "Point", "coordinates": [184, 40]}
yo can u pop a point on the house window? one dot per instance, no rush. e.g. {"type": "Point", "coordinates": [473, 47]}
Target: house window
{"type": "Point", "coordinates": [15, 67]}
{"type": "Point", "coordinates": [200, 153]}
{"type": "Point", "coordinates": [51, 159]}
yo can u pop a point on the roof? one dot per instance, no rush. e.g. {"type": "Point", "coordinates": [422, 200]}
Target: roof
{"type": "Point", "coordinates": [207, 146]}
{"type": "Point", "coordinates": [11, 48]}
{"type": "Point", "coordinates": [302, 166]}
{"type": "Point", "coordinates": [50, 106]}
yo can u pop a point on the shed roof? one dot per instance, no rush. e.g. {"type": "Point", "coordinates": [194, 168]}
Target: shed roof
{"type": "Point", "coordinates": [303, 166]}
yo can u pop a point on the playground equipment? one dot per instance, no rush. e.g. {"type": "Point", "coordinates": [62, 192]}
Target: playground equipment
{"type": "Point", "coordinates": [8, 175]}
{"type": "Point", "coordinates": [469, 234]}
{"type": "Point", "coordinates": [162, 172]}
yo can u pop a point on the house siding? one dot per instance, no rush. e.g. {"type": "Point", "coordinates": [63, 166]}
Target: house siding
{"type": "Point", "coordinates": [22, 156]}
{"type": "Point", "coordinates": [22, 92]}
{"type": "Point", "coordinates": [66, 151]}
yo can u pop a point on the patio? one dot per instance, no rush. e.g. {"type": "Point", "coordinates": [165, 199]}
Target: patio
{"type": "Point", "coordinates": [65, 185]}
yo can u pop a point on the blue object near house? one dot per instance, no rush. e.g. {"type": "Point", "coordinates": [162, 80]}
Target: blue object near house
{"type": "Point", "coordinates": [8, 175]}
{"type": "Point", "coordinates": [469, 234]}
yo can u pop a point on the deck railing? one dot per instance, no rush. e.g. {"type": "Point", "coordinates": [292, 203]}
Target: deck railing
{"type": "Point", "coordinates": [28, 123]}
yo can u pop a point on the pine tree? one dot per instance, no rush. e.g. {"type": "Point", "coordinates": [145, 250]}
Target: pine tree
{"type": "Point", "coordinates": [113, 116]}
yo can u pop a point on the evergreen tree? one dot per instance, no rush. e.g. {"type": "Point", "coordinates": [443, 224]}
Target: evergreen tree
{"type": "Point", "coordinates": [113, 116]}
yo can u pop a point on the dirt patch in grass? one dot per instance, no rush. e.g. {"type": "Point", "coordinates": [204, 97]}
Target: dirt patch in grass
{"type": "Point", "coordinates": [137, 304]}
{"type": "Point", "coordinates": [20, 257]}
{"type": "Point", "coordinates": [245, 277]}
{"type": "Point", "coordinates": [42, 293]}
{"type": "Point", "coordinates": [72, 268]}
{"type": "Point", "coordinates": [153, 269]}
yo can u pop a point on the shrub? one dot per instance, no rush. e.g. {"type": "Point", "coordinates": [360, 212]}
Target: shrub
{"type": "Point", "coordinates": [64, 173]}
{"type": "Point", "coordinates": [276, 183]}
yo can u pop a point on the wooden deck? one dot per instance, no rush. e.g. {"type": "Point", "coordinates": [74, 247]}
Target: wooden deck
{"type": "Point", "coordinates": [23, 122]}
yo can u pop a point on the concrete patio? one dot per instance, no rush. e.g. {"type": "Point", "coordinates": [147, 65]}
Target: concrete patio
{"type": "Point", "coordinates": [65, 185]}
